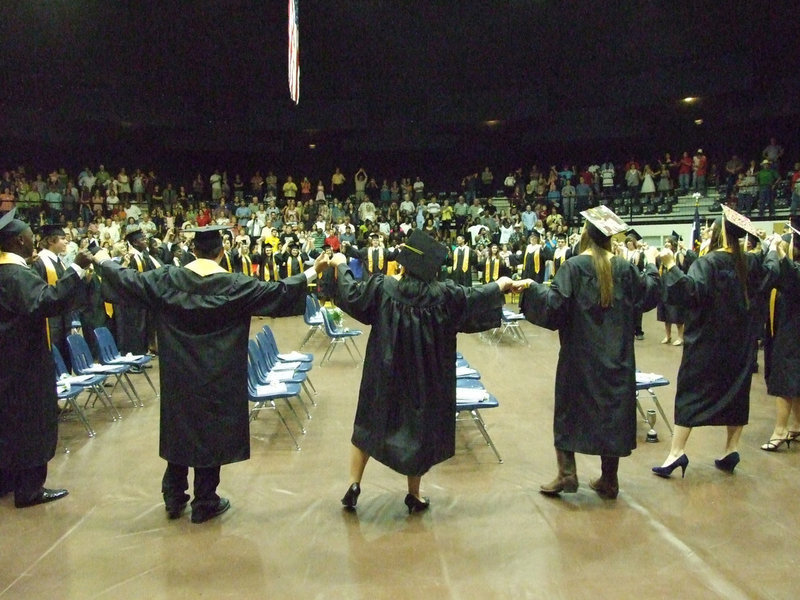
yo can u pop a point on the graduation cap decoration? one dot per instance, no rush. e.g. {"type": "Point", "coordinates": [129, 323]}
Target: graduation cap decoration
{"type": "Point", "coordinates": [11, 226]}
{"type": "Point", "coordinates": [422, 255]}
{"type": "Point", "coordinates": [741, 223]}
{"type": "Point", "coordinates": [605, 220]}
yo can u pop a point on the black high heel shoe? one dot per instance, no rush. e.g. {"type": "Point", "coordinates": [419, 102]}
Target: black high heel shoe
{"type": "Point", "coordinates": [351, 497]}
{"type": "Point", "coordinates": [728, 463]}
{"type": "Point", "coordinates": [682, 461]}
{"type": "Point", "coordinates": [414, 504]}
{"type": "Point", "coordinates": [775, 443]}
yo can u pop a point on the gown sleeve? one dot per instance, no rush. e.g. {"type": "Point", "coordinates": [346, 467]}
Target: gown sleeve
{"type": "Point", "coordinates": [357, 298]}
{"type": "Point", "coordinates": [29, 294]}
{"type": "Point", "coordinates": [691, 289]}
{"type": "Point", "coordinates": [548, 305]}
{"type": "Point", "coordinates": [484, 304]}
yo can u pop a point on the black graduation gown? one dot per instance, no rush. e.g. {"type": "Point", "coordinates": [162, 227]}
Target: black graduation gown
{"type": "Point", "coordinates": [58, 325]}
{"type": "Point", "coordinates": [203, 323]}
{"type": "Point", "coordinates": [667, 312]}
{"type": "Point", "coordinates": [297, 263]}
{"type": "Point", "coordinates": [459, 274]}
{"type": "Point", "coordinates": [559, 258]}
{"type": "Point", "coordinates": [719, 342]}
{"type": "Point", "coordinates": [364, 255]}
{"type": "Point", "coordinates": [407, 398]}
{"type": "Point", "coordinates": [782, 345]}
{"type": "Point", "coordinates": [595, 391]}
{"type": "Point", "coordinates": [529, 263]}
{"type": "Point", "coordinates": [28, 400]}
{"type": "Point", "coordinates": [131, 320]}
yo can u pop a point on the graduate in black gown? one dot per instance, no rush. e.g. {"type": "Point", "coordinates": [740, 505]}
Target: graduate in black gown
{"type": "Point", "coordinates": [50, 268]}
{"type": "Point", "coordinates": [464, 259]}
{"type": "Point", "coordinates": [407, 399]}
{"type": "Point", "coordinates": [593, 302]}
{"type": "Point", "coordinates": [534, 257]}
{"type": "Point", "coordinates": [28, 400]}
{"type": "Point", "coordinates": [782, 344]}
{"type": "Point", "coordinates": [374, 258]}
{"type": "Point", "coordinates": [132, 319]}
{"type": "Point", "coordinates": [716, 369]}
{"type": "Point", "coordinates": [202, 315]}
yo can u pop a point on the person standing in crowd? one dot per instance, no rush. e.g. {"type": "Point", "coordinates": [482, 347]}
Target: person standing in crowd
{"type": "Point", "coordinates": [374, 258]}
{"type": "Point", "coordinates": [464, 259]}
{"type": "Point", "coordinates": [50, 268]}
{"type": "Point", "coordinates": [407, 399]}
{"type": "Point", "coordinates": [782, 344]}
{"type": "Point", "coordinates": [202, 317]}
{"type": "Point", "coordinates": [28, 400]}
{"type": "Point", "coordinates": [717, 292]}
{"type": "Point", "coordinates": [593, 302]}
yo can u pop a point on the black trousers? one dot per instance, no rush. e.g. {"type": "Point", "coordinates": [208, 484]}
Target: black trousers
{"type": "Point", "coordinates": [25, 483]}
{"type": "Point", "coordinates": [176, 482]}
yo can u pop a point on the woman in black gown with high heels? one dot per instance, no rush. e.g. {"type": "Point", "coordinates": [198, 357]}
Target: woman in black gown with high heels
{"type": "Point", "coordinates": [719, 343]}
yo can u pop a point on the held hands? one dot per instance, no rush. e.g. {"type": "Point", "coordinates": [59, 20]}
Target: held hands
{"type": "Point", "coordinates": [101, 256]}
{"type": "Point", "coordinates": [321, 263]}
{"type": "Point", "coordinates": [505, 284]}
{"type": "Point", "coordinates": [83, 259]}
{"type": "Point", "coordinates": [338, 259]}
{"type": "Point", "coordinates": [521, 284]}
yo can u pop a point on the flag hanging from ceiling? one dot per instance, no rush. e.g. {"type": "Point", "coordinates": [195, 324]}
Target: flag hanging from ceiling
{"type": "Point", "coordinates": [294, 53]}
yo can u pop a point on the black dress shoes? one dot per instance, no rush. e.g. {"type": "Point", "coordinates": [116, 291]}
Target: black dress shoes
{"type": "Point", "coordinates": [351, 497]}
{"type": "Point", "coordinates": [44, 495]}
{"type": "Point", "coordinates": [414, 504]}
{"type": "Point", "coordinates": [175, 512]}
{"type": "Point", "coordinates": [201, 515]}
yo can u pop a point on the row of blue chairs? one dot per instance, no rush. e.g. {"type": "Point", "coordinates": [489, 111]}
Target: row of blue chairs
{"type": "Point", "coordinates": [274, 377]}
{"type": "Point", "coordinates": [91, 377]}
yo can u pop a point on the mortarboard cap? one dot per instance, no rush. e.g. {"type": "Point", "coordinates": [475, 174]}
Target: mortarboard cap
{"type": "Point", "coordinates": [11, 226]}
{"type": "Point", "coordinates": [634, 234]}
{"type": "Point", "coordinates": [677, 236]}
{"type": "Point", "coordinates": [422, 255]}
{"type": "Point", "coordinates": [605, 220]}
{"type": "Point", "coordinates": [207, 238]}
{"type": "Point", "coordinates": [134, 232]}
{"type": "Point", "coordinates": [48, 230]}
{"type": "Point", "coordinates": [741, 223]}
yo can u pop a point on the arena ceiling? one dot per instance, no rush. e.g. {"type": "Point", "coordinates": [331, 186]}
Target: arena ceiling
{"type": "Point", "coordinates": [211, 74]}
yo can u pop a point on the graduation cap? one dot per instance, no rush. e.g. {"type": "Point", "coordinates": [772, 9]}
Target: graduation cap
{"type": "Point", "coordinates": [207, 238]}
{"type": "Point", "coordinates": [422, 255]}
{"type": "Point", "coordinates": [677, 236]}
{"type": "Point", "coordinates": [134, 233]}
{"type": "Point", "coordinates": [632, 233]}
{"type": "Point", "coordinates": [48, 230]}
{"type": "Point", "coordinates": [741, 224]}
{"type": "Point", "coordinates": [605, 220]}
{"type": "Point", "coordinates": [11, 226]}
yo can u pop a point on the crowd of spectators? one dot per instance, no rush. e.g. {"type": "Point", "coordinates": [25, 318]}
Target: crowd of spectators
{"type": "Point", "coordinates": [102, 205]}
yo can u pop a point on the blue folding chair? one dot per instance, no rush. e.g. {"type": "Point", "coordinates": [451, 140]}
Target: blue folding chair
{"type": "Point", "coordinates": [338, 336]}
{"type": "Point", "coordinates": [262, 373]}
{"type": "Point", "coordinates": [273, 370]}
{"type": "Point", "coordinates": [110, 355]}
{"type": "Point", "coordinates": [472, 397]}
{"type": "Point", "coordinates": [299, 361]}
{"type": "Point", "coordinates": [92, 383]}
{"type": "Point", "coordinates": [83, 364]}
{"type": "Point", "coordinates": [263, 395]}
{"type": "Point", "coordinates": [312, 318]}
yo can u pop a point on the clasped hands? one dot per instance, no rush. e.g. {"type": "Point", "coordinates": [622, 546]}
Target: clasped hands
{"type": "Point", "coordinates": [506, 284]}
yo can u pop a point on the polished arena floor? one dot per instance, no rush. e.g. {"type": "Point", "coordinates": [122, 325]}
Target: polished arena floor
{"type": "Point", "coordinates": [488, 534]}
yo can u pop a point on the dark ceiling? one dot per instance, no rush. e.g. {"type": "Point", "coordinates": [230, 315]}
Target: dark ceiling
{"type": "Point", "coordinates": [379, 75]}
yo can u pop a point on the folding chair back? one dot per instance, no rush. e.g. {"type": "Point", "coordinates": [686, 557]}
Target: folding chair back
{"type": "Point", "coordinates": [106, 343]}
{"type": "Point", "coordinates": [61, 366]}
{"type": "Point", "coordinates": [79, 353]}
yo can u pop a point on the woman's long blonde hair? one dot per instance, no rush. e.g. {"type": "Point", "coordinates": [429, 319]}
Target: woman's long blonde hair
{"type": "Point", "coordinates": [599, 246]}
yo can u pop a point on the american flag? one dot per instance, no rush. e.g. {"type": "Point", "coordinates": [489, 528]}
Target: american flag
{"type": "Point", "coordinates": [294, 53]}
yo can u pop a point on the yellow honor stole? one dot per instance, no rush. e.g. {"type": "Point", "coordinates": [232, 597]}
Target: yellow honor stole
{"type": "Point", "coordinates": [492, 272]}
{"type": "Point", "coordinates": [371, 259]}
{"type": "Point", "coordinates": [464, 253]}
{"type": "Point", "coordinates": [52, 277]}
{"type": "Point", "coordinates": [247, 268]}
{"type": "Point", "coordinates": [536, 263]}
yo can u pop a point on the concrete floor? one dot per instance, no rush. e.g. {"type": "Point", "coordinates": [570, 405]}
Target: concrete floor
{"type": "Point", "coordinates": [489, 533]}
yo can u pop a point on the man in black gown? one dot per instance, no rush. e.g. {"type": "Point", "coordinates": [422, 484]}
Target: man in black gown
{"type": "Point", "coordinates": [28, 400]}
{"type": "Point", "coordinates": [202, 316]}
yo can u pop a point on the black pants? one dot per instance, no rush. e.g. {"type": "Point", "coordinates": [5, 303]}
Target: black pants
{"type": "Point", "coordinates": [25, 483]}
{"type": "Point", "coordinates": [176, 482]}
